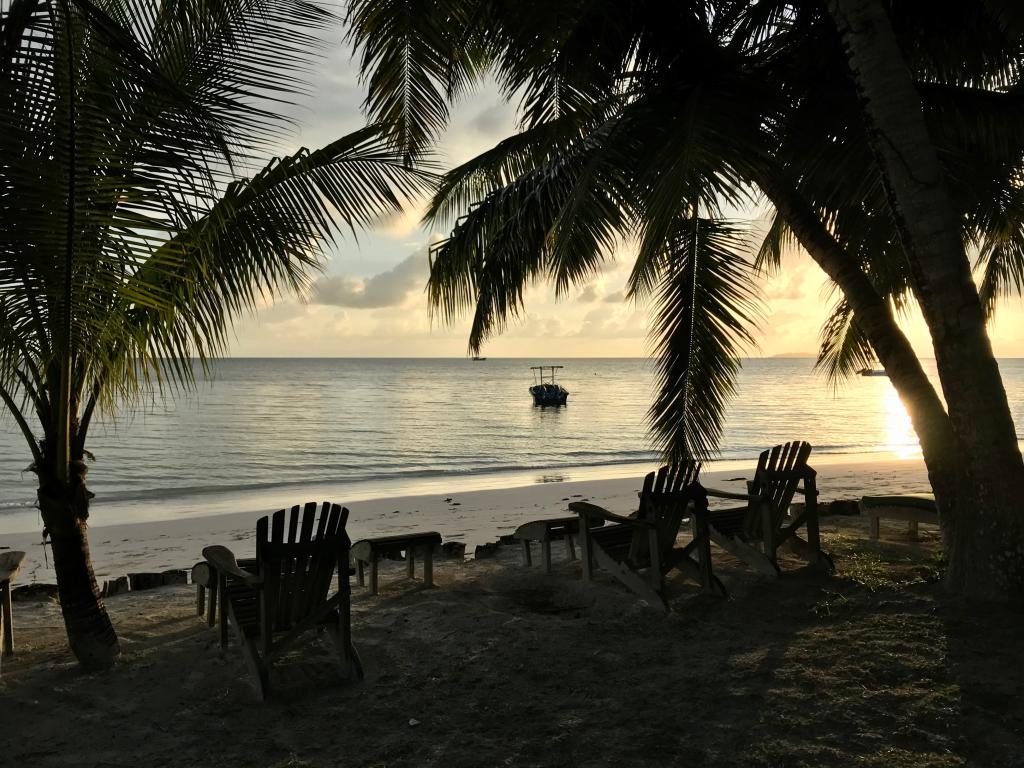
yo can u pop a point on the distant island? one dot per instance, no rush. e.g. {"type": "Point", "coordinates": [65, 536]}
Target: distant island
{"type": "Point", "coordinates": [811, 355]}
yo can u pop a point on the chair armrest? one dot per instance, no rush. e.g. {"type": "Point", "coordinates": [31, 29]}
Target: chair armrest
{"type": "Point", "coordinates": [10, 564]}
{"type": "Point", "coordinates": [586, 509]}
{"type": "Point", "coordinates": [718, 494]}
{"type": "Point", "coordinates": [223, 560]}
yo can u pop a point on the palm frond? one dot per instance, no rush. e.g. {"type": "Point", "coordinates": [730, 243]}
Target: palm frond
{"type": "Point", "coordinates": [415, 55]}
{"type": "Point", "coordinates": [844, 349]}
{"type": "Point", "coordinates": [706, 310]}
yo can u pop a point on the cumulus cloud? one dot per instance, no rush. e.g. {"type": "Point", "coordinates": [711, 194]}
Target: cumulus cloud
{"type": "Point", "coordinates": [616, 297]}
{"type": "Point", "coordinates": [386, 289]}
{"type": "Point", "coordinates": [588, 295]}
{"type": "Point", "coordinates": [788, 285]}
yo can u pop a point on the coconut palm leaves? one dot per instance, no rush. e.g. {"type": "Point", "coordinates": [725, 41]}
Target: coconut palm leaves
{"type": "Point", "coordinates": [706, 305]}
{"type": "Point", "coordinates": [633, 113]}
{"type": "Point", "coordinates": [157, 107]}
{"type": "Point", "coordinates": [136, 226]}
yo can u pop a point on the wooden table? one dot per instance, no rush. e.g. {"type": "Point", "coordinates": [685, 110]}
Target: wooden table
{"type": "Point", "coordinates": [913, 507]}
{"type": "Point", "coordinates": [545, 531]}
{"type": "Point", "coordinates": [10, 564]}
{"type": "Point", "coordinates": [369, 551]}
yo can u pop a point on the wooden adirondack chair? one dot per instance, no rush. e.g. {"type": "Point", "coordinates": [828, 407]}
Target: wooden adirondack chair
{"type": "Point", "coordinates": [641, 549]}
{"type": "Point", "coordinates": [287, 594]}
{"type": "Point", "coordinates": [755, 531]}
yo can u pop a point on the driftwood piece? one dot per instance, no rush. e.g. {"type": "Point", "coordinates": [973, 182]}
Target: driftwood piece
{"type": "Point", "coordinates": [115, 586]}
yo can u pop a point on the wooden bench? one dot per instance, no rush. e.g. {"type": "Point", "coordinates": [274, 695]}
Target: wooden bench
{"type": "Point", "coordinates": [369, 551]}
{"type": "Point", "coordinates": [546, 531]}
{"type": "Point", "coordinates": [913, 507]}
{"type": "Point", "coordinates": [10, 563]}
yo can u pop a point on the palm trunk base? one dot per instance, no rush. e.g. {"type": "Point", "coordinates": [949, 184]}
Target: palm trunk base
{"type": "Point", "coordinates": [985, 551]}
{"type": "Point", "coordinates": [91, 634]}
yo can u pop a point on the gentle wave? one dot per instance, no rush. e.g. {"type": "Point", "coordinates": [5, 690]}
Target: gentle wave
{"type": "Point", "coordinates": [268, 424]}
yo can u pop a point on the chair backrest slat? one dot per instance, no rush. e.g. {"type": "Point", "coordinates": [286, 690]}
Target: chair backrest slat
{"type": "Point", "coordinates": [319, 561]}
{"type": "Point", "coordinates": [780, 471]}
{"type": "Point", "coordinates": [298, 568]}
{"type": "Point", "coordinates": [664, 501]}
{"type": "Point", "coordinates": [288, 564]}
{"type": "Point", "coordinates": [302, 560]}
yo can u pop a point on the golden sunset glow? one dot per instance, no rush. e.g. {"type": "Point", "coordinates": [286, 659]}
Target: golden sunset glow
{"type": "Point", "coordinates": [899, 431]}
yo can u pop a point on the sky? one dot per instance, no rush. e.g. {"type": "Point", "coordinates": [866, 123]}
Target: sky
{"type": "Point", "coordinates": [370, 300]}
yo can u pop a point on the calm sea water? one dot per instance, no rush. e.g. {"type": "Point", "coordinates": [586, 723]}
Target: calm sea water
{"type": "Point", "coordinates": [395, 424]}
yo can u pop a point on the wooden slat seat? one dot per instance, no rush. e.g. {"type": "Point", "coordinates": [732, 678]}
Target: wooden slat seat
{"type": "Point", "coordinates": [10, 564]}
{"type": "Point", "coordinates": [546, 531]}
{"type": "Point", "coordinates": [286, 593]}
{"type": "Point", "coordinates": [914, 508]}
{"type": "Point", "coordinates": [641, 549]}
{"type": "Point", "coordinates": [754, 531]}
{"type": "Point", "coordinates": [368, 552]}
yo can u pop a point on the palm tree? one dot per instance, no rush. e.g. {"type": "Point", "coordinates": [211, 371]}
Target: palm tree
{"type": "Point", "coordinates": [637, 115]}
{"type": "Point", "coordinates": [130, 237]}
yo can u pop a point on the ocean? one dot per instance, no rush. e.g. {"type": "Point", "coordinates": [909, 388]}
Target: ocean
{"type": "Point", "coordinates": [384, 427]}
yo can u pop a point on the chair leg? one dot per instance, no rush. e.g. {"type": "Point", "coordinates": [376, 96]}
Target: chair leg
{"type": "Point", "coordinates": [701, 534]}
{"type": "Point", "coordinates": [7, 619]}
{"type": "Point", "coordinates": [586, 545]}
{"type": "Point", "coordinates": [570, 547]}
{"type": "Point", "coordinates": [545, 548]}
{"type": "Point", "coordinates": [527, 557]}
{"type": "Point", "coordinates": [200, 599]}
{"type": "Point", "coordinates": [745, 552]}
{"type": "Point", "coordinates": [428, 567]}
{"type": "Point", "coordinates": [348, 658]}
{"type": "Point", "coordinates": [259, 670]}
{"type": "Point", "coordinates": [410, 562]}
{"type": "Point", "coordinates": [767, 531]}
{"type": "Point", "coordinates": [211, 612]}
{"type": "Point", "coordinates": [373, 574]}
{"type": "Point", "coordinates": [223, 618]}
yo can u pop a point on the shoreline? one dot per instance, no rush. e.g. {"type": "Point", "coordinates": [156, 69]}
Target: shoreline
{"type": "Point", "coordinates": [174, 504]}
{"type": "Point", "coordinates": [457, 510]}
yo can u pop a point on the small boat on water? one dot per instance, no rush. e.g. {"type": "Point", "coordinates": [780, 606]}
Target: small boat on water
{"type": "Point", "coordinates": [544, 390]}
{"type": "Point", "coordinates": [477, 358]}
{"type": "Point", "coordinates": [872, 372]}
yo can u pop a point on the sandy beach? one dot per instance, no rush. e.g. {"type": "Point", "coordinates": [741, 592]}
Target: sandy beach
{"type": "Point", "coordinates": [501, 665]}
{"type": "Point", "coordinates": [473, 517]}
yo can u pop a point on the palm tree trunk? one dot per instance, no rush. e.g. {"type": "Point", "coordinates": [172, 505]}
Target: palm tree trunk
{"type": "Point", "coordinates": [65, 510]}
{"type": "Point", "coordinates": [986, 549]}
{"type": "Point", "coordinates": [875, 318]}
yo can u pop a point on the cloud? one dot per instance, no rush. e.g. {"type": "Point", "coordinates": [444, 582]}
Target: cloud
{"type": "Point", "coordinates": [386, 289]}
{"type": "Point", "coordinates": [281, 312]}
{"type": "Point", "coordinates": [497, 119]}
{"type": "Point", "coordinates": [616, 297]}
{"type": "Point", "coordinates": [588, 295]}
{"type": "Point", "coordinates": [787, 285]}
{"type": "Point", "coordinates": [613, 322]}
